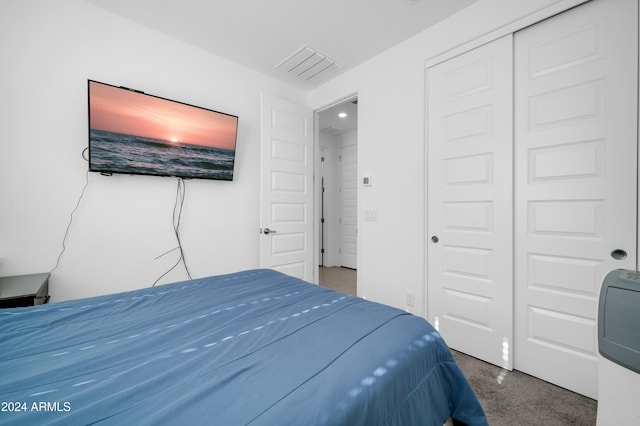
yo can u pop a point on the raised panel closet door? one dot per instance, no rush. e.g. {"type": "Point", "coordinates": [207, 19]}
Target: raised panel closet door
{"type": "Point", "coordinates": [576, 161]}
{"type": "Point", "coordinates": [470, 201]}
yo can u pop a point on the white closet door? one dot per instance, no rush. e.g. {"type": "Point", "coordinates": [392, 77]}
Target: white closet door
{"type": "Point", "coordinates": [576, 160]}
{"type": "Point", "coordinates": [470, 201]}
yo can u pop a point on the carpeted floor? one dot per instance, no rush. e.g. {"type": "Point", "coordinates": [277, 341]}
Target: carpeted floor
{"type": "Point", "coordinates": [515, 398]}
{"type": "Point", "coordinates": [508, 397]}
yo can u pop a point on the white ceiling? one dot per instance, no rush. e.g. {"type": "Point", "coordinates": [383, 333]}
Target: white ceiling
{"type": "Point", "coordinates": [331, 123]}
{"type": "Point", "coordinates": [260, 34]}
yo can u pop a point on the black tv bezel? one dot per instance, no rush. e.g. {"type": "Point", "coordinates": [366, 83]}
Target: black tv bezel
{"type": "Point", "coordinates": [133, 173]}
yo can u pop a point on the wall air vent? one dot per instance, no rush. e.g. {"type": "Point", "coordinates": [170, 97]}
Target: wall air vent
{"type": "Point", "coordinates": [309, 65]}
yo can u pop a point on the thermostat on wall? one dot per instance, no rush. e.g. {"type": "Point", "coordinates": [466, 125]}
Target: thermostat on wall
{"type": "Point", "coordinates": [366, 181]}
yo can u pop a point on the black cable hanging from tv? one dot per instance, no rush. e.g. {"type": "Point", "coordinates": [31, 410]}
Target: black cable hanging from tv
{"type": "Point", "coordinates": [177, 219]}
{"type": "Point", "coordinates": [66, 232]}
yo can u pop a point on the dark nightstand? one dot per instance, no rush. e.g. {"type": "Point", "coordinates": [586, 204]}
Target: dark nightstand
{"type": "Point", "coordinates": [24, 290]}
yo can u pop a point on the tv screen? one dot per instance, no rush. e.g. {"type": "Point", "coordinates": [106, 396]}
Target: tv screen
{"type": "Point", "coordinates": [135, 133]}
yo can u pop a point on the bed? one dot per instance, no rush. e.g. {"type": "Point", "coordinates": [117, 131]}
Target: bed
{"type": "Point", "coordinates": [254, 347]}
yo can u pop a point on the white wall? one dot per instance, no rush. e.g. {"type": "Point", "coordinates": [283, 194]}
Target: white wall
{"type": "Point", "coordinates": [48, 50]}
{"type": "Point", "coordinates": [391, 96]}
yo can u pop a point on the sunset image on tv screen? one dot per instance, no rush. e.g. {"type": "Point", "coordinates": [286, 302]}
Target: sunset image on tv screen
{"type": "Point", "coordinates": [132, 132]}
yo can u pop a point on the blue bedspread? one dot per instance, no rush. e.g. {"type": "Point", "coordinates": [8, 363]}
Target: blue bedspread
{"type": "Point", "coordinates": [254, 347]}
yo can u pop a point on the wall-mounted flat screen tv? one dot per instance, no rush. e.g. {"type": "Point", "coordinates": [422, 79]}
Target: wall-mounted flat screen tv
{"type": "Point", "coordinates": [135, 133]}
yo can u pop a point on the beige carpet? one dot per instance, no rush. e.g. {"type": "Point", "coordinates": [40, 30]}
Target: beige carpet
{"type": "Point", "coordinates": [339, 279]}
{"type": "Point", "coordinates": [515, 398]}
{"type": "Point", "coordinates": [508, 397]}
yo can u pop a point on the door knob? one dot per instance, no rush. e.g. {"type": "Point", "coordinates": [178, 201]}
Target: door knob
{"type": "Point", "coordinates": [435, 239]}
{"type": "Point", "coordinates": [268, 231]}
{"type": "Point", "coordinates": [619, 254]}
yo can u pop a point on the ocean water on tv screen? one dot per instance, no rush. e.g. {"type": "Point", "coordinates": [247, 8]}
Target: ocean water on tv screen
{"type": "Point", "coordinates": [122, 153]}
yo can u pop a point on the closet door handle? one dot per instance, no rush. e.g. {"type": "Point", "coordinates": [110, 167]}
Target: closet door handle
{"type": "Point", "coordinates": [435, 239]}
{"type": "Point", "coordinates": [268, 231]}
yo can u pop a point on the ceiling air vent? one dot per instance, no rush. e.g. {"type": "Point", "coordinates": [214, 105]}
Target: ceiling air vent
{"type": "Point", "coordinates": [330, 130]}
{"type": "Point", "coordinates": [309, 65]}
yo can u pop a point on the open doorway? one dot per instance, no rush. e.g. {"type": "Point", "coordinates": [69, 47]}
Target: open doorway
{"type": "Point", "coordinates": [338, 189]}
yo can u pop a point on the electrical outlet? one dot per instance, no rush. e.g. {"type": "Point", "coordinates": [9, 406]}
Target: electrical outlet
{"type": "Point", "coordinates": [410, 299]}
{"type": "Point", "coordinates": [370, 215]}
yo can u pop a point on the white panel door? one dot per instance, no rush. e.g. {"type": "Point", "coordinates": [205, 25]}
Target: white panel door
{"type": "Point", "coordinates": [286, 188]}
{"type": "Point", "coordinates": [576, 160]}
{"type": "Point", "coordinates": [470, 201]}
{"type": "Point", "coordinates": [349, 206]}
